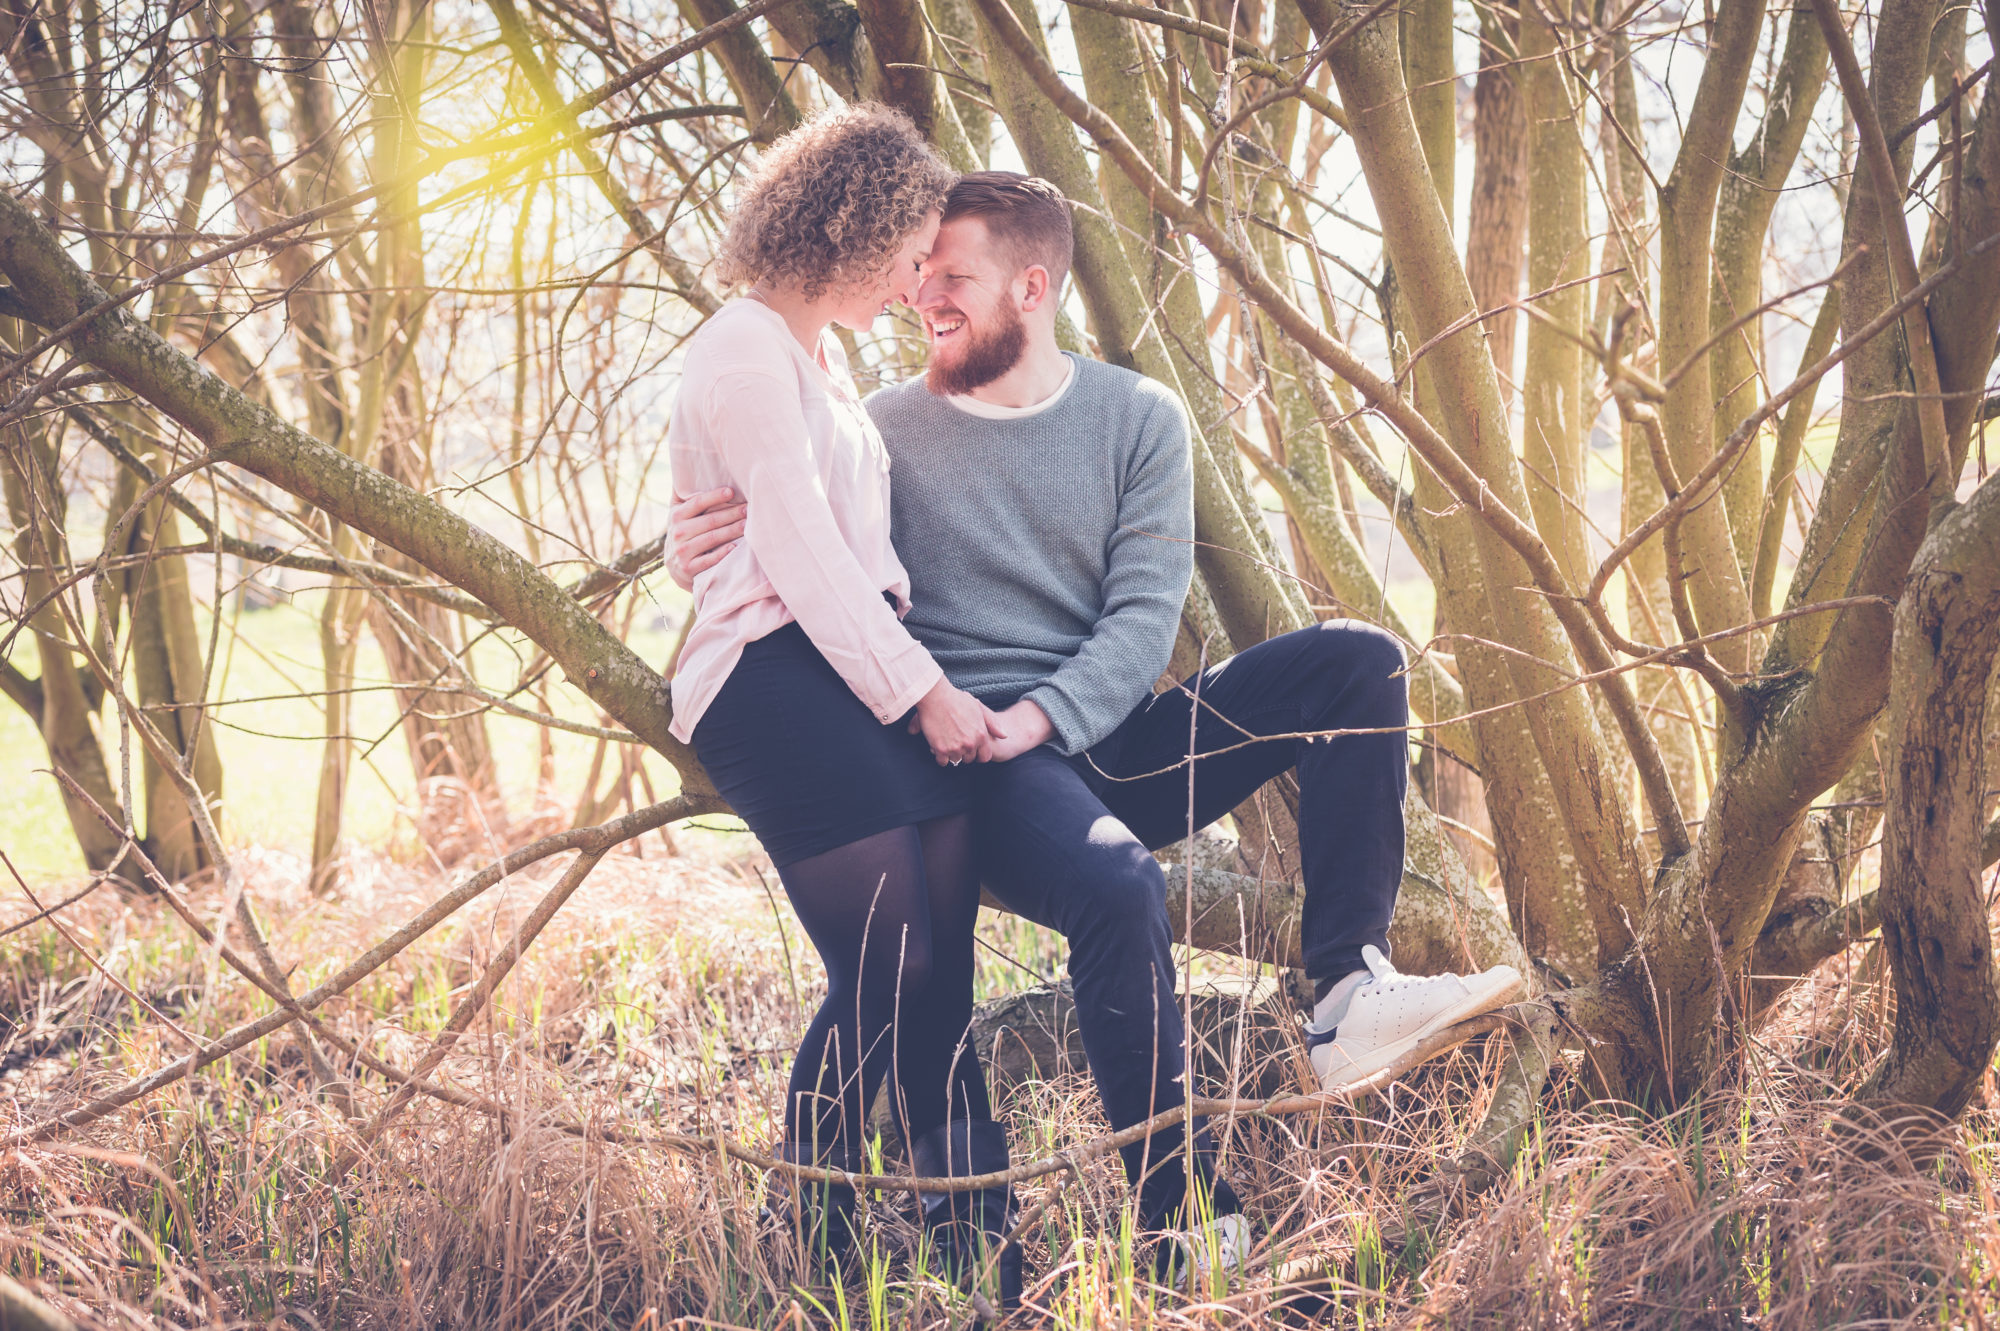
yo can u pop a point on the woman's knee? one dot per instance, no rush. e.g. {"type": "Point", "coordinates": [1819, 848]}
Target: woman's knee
{"type": "Point", "coordinates": [901, 962]}
{"type": "Point", "coordinates": [918, 966]}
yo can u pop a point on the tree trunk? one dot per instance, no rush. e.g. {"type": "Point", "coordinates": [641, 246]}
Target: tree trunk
{"type": "Point", "coordinates": [61, 709]}
{"type": "Point", "coordinates": [169, 675]}
{"type": "Point", "coordinates": [1716, 584]}
{"type": "Point", "coordinates": [1255, 601]}
{"type": "Point", "coordinates": [751, 71]}
{"type": "Point", "coordinates": [1497, 225]}
{"type": "Point", "coordinates": [1742, 220]}
{"type": "Point", "coordinates": [460, 809]}
{"type": "Point", "coordinates": [1934, 914]}
{"type": "Point", "coordinates": [396, 270]}
{"type": "Point", "coordinates": [1433, 80]}
{"type": "Point", "coordinates": [1555, 416]}
{"type": "Point", "coordinates": [960, 56]}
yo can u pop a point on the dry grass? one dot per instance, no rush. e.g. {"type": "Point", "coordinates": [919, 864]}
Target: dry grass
{"type": "Point", "coordinates": [667, 995]}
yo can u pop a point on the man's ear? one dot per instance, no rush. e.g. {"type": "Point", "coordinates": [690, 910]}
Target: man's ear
{"type": "Point", "coordinates": [1034, 288]}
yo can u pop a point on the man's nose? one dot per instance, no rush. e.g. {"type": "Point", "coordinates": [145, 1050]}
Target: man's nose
{"type": "Point", "coordinates": [927, 293]}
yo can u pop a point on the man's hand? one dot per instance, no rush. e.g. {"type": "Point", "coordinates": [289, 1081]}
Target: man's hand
{"type": "Point", "coordinates": [956, 725]}
{"type": "Point", "coordinates": [1024, 726]}
{"type": "Point", "coordinates": [701, 529]}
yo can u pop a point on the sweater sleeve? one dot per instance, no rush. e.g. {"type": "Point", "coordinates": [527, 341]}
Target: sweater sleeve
{"type": "Point", "coordinates": [1148, 566]}
{"type": "Point", "coordinates": [792, 534]}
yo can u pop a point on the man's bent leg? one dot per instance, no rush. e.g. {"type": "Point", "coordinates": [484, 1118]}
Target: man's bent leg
{"type": "Point", "coordinates": [1246, 716]}
{"type": "Point", "coordinates": [1049, 849]}
{"type": "Point", "coordinates": [1343, 675]}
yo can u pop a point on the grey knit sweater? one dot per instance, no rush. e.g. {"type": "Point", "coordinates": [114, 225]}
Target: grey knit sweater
{"type": "Point", "coordinates": [1049, 555]}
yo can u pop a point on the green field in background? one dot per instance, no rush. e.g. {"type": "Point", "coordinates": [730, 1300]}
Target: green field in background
{"type": "Point", "coordinates": [270, 742]}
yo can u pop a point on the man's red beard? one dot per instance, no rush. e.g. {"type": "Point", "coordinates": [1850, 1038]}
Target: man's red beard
{"type": "Point", "coordinates": [983, 358]}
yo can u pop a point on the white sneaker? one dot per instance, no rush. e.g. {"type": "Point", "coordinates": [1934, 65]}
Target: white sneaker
{"type": "Point", "coordinates": [1391, 1012]}
{"type": "Point", "coordinates": [1223, 1244]}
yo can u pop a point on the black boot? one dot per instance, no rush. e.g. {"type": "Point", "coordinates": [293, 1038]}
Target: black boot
{"type": "Point", "coordinates": [810, 1216]}
{"type": "Point", "coordinates": [964, 1227]}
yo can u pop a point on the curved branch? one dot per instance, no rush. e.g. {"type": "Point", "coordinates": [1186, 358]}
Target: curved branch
{"type": "Point", "coordinates": [240, 431]}
{"type": "Point", "coordinates": [1794, 947]}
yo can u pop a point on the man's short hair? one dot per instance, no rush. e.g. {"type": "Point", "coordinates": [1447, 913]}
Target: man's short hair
{"type": "Point", "coordinates": [1026, 214]}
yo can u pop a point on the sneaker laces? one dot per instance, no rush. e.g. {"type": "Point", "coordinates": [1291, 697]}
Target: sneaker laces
{"type": "Point", "coordinates": [1380, 973]}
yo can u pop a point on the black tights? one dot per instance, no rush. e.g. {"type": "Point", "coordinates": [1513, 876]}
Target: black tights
{"type": "Point", "coordinates": [892, 917]}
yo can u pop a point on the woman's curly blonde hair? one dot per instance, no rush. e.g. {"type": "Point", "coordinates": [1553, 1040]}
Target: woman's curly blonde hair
{"type": "Point", "coordinates": [833, 201]}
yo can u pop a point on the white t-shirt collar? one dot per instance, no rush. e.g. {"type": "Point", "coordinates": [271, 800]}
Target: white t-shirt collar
{"type": "Point", "coordinates": [972, 406]}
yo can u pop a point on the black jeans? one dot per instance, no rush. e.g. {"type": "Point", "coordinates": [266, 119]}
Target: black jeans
{"type": "Point", "coordinates": [1066, 842]}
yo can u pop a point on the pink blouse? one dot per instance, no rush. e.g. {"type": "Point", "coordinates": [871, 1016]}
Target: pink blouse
{"type": "Point", "coordinates": [758, 413]}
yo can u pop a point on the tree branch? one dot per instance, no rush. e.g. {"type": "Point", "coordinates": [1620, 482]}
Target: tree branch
{"type": "Point", "coordinates": [27, 692]}
{"type": "Point", "coordinates": [246, 434]}
{"type": "Point", "coordinates": [590, 840]}
{"type": "Point", "coordinates": [1923, 363]}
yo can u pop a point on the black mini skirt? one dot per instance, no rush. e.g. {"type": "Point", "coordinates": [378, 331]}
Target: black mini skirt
{"type": "Point", "coordinates": [806, 764]}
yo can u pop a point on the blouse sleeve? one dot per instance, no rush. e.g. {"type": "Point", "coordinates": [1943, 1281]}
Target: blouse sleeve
{"type": "Point", "coordinates": [761, 430]}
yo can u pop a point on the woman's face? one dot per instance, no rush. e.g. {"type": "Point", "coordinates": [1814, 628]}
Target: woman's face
{"type": "Point", "coordinates": [861, 305]}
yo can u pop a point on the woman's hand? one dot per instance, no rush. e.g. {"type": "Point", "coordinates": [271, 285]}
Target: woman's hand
{"type": "Point", "coordinates": [956, 725]}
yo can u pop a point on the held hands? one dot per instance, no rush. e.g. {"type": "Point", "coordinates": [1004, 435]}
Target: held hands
{"type": "Point", "coordinates": [956, 725]}
{"type": "Point", "coordinates": [1007, 734]}
{"type": "Point", "coordinates": [705, 527]}
{"type": "Point", "coordinates": [701, 529]}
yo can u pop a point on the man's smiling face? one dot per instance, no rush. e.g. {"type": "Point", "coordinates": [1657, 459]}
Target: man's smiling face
{"type": "Point", "coordinates": [969, 301]}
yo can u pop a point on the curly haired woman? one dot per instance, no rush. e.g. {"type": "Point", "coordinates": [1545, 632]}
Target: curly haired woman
{"type": "Point", "coordinates": [799, 687]}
